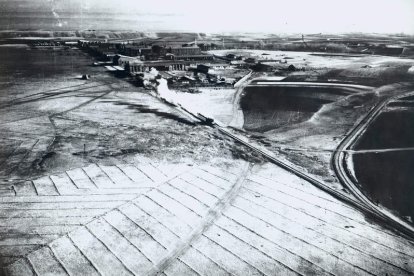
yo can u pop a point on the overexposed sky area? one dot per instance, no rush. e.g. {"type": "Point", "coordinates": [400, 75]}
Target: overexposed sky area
{"type": "Point", "coordinates": [275, 16]}
{"type": "Point", "coordinates": [384, 16]}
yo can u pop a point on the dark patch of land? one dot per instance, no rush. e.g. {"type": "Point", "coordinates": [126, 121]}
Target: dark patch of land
{"type": "Point", "coordinates": [270, 107]}
{"type": "Point", "coordinates": [387, 178]}
{"type": "Point", "coordinates": [392, 129]}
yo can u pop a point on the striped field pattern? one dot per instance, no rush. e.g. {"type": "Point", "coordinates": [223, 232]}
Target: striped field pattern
{"type": "Point", "coordinates": [153, 219]}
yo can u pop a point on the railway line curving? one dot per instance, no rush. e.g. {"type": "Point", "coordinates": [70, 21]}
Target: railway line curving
{"type": "Point", "coordinates": [338, 160]}
{"type": "Point", "coordinates": [358, 200]}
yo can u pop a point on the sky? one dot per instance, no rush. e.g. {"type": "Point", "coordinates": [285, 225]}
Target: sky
{"type": "Point", "coordinates": [274, 16]}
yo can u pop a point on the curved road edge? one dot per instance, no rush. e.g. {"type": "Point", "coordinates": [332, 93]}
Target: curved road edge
{"type": "Point", "coordinates": [338, 160]}
{"type": "Point", "coordinates": [358, 200]}
{"type": "Point", "coordinates": [238, 119]}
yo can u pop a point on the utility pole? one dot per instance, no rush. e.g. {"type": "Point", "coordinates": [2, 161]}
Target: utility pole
{"type": "Point", "coordinates": [304, 42]}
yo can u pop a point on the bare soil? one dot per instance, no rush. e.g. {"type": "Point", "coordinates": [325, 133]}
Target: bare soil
{"type": "Point", "coordinates": [53, 121]}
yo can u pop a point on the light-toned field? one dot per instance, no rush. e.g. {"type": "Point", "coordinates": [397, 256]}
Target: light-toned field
{"type": "Point", "coordinates": [51, 121]}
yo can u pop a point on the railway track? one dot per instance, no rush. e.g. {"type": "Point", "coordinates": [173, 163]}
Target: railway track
{"type": "Point", "coordinates": [358, 200]}
{"type": "Point", "coordinates": [338, 160]}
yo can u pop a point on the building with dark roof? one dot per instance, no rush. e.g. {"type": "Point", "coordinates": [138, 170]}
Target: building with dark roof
{"type": "Point", "coordinates": [184, 51]}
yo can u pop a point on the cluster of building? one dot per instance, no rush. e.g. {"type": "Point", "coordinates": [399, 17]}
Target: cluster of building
{"type": "Point", "coordinates": [183, 64]}
{"type": "Point", "coordinates": [107, 50]}
{"type": "Point", "coordinates": [187, 63]}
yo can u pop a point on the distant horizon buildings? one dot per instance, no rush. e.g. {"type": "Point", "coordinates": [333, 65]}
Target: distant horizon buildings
{"type": "Point", "coordinates": [263, 16]}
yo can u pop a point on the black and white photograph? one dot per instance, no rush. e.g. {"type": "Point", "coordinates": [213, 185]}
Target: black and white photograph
{"type": "Point", "coordinates": [204, 138]}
